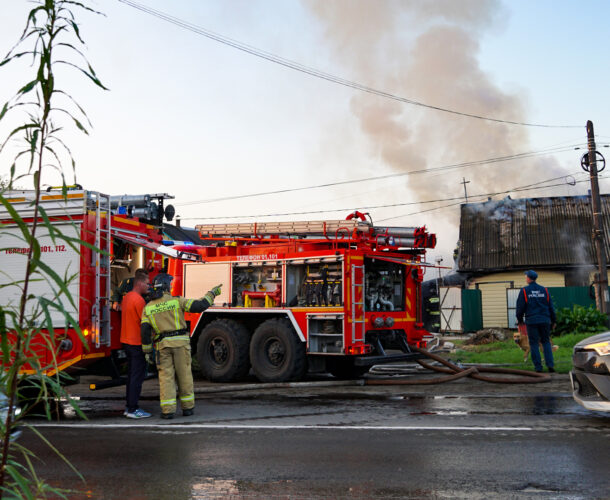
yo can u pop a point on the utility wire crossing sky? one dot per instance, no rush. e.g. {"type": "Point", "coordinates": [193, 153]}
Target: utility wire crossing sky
{"type": "Point", "coordinates": [320, 74]}
{"type": "Point", "coordinates": [431, 93]}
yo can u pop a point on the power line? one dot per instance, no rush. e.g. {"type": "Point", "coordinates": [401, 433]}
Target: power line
{"type": "Point", "coordinates": [519, 189]}
{"type": "Point", "coordinates": [317, 73]}
{"type": "Point", "coordinates": [388, 176]}
{"type": "Point", "coordinates": [536, 185]}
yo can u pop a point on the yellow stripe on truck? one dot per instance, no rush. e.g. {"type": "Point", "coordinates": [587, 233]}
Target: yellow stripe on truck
{"type": "Point", "coordinates": [73, 196]}
{"type": "Point", "coordinates": [52, 371]}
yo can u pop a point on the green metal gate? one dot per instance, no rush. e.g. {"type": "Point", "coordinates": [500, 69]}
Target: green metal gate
{"type": "Point", "coordinates": [472, 310]}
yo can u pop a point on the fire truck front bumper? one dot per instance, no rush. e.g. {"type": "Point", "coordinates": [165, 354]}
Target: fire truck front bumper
{"type": "Point", "coordinates": [380, 341]}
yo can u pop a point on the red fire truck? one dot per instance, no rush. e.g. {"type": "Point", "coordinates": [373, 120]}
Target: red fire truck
{"type": "Point", "coordinates": [335, 296]}
{"type": "Point", "coordinates": [125, 228]}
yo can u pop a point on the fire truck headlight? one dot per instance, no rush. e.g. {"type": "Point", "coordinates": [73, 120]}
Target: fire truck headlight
{"type": "Point", "coordinates": [378, 322]}
{"type": "Point", "coordinates": [389, 322]}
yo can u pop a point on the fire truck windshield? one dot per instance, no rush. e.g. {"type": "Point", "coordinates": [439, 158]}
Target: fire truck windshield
{"type": "Point", "coordinates": [384, 285]}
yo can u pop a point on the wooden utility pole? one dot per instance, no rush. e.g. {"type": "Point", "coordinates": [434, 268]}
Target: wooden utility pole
{"type": "Point", "coordinates": [464, 181]}
{"type": "Point", "coordinates": [602, 300]}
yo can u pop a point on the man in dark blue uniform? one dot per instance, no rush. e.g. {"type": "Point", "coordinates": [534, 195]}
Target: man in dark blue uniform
{"type": "Point", "coordinates": [534, 301]}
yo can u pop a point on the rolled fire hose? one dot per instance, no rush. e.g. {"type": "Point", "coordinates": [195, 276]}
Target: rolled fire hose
{"type": "Point", "coordinates": [456, 373]}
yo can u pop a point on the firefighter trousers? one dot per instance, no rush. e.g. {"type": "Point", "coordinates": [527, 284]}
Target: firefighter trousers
{"type": "Point", "coordinates": [174, 365]}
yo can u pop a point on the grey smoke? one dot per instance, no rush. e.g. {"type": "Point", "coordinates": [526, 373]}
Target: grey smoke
{"type": "Point", "coordinates": [428, 51]}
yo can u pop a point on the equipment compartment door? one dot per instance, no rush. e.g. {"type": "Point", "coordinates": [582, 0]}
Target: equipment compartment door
{"type": "Point", "coordinates": [58, 255]}
{"type": "Point", "coordinates": [199, 278]}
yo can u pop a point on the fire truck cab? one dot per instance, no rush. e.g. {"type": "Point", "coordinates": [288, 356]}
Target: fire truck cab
{"type": "Point", "coordinates": [337, 296]}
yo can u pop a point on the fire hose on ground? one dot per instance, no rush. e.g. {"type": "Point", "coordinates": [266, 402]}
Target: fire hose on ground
{"type": "Point", "coordinates": [456, 372]}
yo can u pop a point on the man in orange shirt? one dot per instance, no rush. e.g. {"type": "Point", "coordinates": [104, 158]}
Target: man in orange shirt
{"type": "Point", "coordinates": [132, 306]}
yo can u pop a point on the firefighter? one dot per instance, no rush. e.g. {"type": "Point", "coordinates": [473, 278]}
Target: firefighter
{"type": "Point", "coordinates": [164, 326]}
{"type": "Point", "coordinates": [535, 304]}
{"type": "Point", "coordinates": [125, 287]}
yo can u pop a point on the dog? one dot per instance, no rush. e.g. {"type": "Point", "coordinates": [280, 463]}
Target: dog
{"type": "Point", "coordinates": [521, 339]}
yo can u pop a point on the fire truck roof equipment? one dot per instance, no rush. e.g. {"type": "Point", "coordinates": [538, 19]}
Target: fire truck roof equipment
{"type": "Point", "coordinates": [349, 230]}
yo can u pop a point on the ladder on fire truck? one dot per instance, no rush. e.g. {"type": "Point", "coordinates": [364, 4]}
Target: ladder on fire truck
{"type": "Point", "coordinates": [103, 241]}
{"type": "Point", "coordinates": [328, 228]}
{"type": "Point", "coordinates": [358, 305]}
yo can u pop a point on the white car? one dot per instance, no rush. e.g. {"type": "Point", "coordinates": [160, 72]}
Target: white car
{"type": "Point", "coordinates": [590, 375]}
{"type": "Point", "coordinates": [16, 432]}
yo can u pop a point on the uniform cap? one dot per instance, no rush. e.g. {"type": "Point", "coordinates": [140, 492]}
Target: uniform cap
{"type": "Point", "coordinates": [531, 274]}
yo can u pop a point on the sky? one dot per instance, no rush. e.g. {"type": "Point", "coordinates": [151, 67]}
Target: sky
{"type": "Point", "coordinates": [201, 120]}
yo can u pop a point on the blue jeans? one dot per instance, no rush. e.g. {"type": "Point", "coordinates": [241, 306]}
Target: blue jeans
{"type": "Point", "coordinates": [136, 371]}
{"type": "Point", "coordinates": [540, 333]}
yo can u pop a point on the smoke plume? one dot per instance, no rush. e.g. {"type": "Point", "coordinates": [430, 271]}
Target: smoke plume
{"type": "Point", "coordinates": [428, 51]}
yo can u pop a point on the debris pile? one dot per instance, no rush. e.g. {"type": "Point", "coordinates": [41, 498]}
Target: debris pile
{"type": "Point", "coordinates": [487, 336]}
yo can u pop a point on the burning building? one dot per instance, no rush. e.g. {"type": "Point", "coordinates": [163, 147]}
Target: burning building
{"type": "Point", "coordinates": [499, 240]}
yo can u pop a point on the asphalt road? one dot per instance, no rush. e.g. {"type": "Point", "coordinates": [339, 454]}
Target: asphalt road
{"type": "Point", "coordinates": [462, 440]}
{"type": "Point", "coordinates": [331, 463]}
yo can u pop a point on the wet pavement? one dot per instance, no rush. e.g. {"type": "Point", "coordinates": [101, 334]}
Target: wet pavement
{"type": "Point", "coordinates": [465, 439]}
{"type": "Point", "coordinates": [330, 463]}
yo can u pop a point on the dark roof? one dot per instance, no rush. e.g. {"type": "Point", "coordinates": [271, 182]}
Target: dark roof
{"type": "Point", "coordinates": [529, 232]}
{"type": "Point", "coordinates": [182, 234]}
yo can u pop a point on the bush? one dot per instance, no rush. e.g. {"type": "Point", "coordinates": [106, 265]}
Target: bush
{"type": "Point", "coordinates": [580, 319]}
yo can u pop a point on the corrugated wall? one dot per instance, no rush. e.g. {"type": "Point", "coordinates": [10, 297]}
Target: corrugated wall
{"type": "Point", "coordinates": [567, 297]}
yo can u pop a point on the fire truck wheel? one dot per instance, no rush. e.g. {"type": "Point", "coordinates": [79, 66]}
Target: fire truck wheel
{"type": "Point", "coordinates": [277, 354]}
{"type": "Point", "coordinates": [222, 351]}
{"type": "Point", "coordinates": [344, 368]}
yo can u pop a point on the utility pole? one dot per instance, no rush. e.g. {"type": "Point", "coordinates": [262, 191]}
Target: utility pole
{"type": "Point", "coordinates": [464, 181]}
{"type": "Point", "coordinates": [589, 163]}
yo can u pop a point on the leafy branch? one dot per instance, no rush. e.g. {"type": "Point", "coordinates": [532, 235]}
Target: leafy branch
{"type": "Point", "coordinates": [51, 39]}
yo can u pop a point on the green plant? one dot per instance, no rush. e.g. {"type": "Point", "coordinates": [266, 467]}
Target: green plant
{"type": "Point", "coordinates": [508, 353]}
{"type": "Point", "coordinates": [579, 319]}
{"type": "Point", "coordinates": [51, 38]}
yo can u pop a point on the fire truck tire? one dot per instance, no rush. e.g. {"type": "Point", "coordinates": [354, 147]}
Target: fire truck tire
{"type": "Point", "coordinates": [222, 351]}
{"type": "Point", "coordinates": [277, 354]}
{"type": "Point", "coordinates": [344, 368]}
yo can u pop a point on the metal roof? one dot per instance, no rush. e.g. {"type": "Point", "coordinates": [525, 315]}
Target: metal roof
{"type": "Point", "coordinates": [527, 232]}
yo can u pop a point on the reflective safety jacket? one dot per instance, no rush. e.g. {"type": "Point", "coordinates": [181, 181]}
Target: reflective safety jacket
{"type": "Point", "coordinates": [534, 301]}
{"type": "Point", "coordinates": [163, 321]}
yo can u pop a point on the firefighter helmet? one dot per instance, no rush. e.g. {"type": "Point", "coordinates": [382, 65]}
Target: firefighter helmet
{"type": "Point", "coordinates": [161, 283]}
